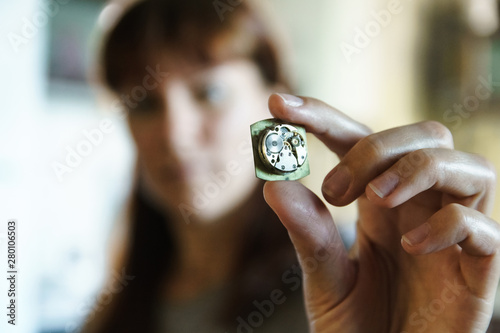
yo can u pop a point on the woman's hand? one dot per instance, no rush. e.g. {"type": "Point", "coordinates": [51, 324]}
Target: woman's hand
{"type": "Point", "coordinates": [425, 257]}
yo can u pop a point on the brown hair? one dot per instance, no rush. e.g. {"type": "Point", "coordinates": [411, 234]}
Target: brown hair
{"type": "Point", "coordinates": [193, 29]}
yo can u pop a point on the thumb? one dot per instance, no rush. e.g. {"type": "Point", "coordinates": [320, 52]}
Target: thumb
{"type": "Point", "coordinates": [329, 274]}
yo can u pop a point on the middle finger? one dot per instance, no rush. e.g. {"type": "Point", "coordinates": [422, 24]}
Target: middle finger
{"type": "Point", "coordinates": [377, 152]}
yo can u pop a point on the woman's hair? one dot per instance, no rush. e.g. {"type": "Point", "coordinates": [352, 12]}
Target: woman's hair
{"type": "Point", "coordinates": [193, 30]}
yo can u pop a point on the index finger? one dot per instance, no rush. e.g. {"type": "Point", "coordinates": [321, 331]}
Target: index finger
{"type": "Point", "coordinates": [335, 129]}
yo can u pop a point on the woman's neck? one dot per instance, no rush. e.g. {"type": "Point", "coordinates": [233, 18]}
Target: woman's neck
{"type": "Point", "coordinates": [206, 254]}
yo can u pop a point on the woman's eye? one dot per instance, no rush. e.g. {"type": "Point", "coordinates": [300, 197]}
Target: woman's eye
{"type": "Point", "coordinates": [212, 94]}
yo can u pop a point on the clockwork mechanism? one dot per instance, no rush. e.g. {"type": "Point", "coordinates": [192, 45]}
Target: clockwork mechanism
{"type": "Point", "coordinates": [280, 150]}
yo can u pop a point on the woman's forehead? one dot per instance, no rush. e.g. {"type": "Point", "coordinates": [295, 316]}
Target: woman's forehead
{"type": "Point", "coordinates": [192, 73]}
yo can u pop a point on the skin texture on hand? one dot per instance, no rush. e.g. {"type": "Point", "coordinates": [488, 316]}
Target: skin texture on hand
{"type": "Point", "coordinates": [425, 258]}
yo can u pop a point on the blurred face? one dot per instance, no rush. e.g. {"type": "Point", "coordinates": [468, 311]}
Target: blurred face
{"type": "Point", "coordinates": [193, 138]}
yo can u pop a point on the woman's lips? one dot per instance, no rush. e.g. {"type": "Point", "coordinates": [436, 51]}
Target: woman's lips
{"type": "Point", "coordinates": [181, 173]}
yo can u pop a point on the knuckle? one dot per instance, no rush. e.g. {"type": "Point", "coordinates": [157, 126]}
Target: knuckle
{"type": "Point", "coordinates": [417, 160]}
{"type": "Point", "coordinates": [427, 161]}
{"type": "Point", "coordinates": [372, 146]}
{"type": "Point", "coordinates": [421, 159]}
{"type": "Point", "coordinates": [455, 212]}
{"type": "Point", "coordinates": [490, 170]}
{"type": "Point", "coordinates": [438, 131]}
{"type": "Point", "coordinates": [490, 175]}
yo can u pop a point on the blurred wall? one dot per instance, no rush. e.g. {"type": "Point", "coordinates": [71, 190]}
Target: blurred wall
{"type": "Point", "coordinates": [371, 78]}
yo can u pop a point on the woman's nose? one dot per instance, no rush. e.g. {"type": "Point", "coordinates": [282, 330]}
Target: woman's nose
{"type": "Point", "coordinates": [183, 121]}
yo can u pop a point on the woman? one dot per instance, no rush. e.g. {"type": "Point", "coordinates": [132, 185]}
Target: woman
{"type": "Point", "coordinates": [206, 252]}
{"type": "Point", "coordinates": [201, 238]}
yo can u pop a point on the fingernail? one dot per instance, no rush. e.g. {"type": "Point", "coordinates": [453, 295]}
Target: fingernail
{"type": "Point", "coordinates": [291, 100]}
{"type": "Point", "coordinates": [384, 185]}
{"type": "Point", "coordinates": [418, 235]}
{"type": "Point", "coordinates": [338, 183]}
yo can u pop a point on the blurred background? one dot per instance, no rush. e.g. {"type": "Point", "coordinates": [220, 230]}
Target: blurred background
{"type": "Point", "coordinates": [425, 60]}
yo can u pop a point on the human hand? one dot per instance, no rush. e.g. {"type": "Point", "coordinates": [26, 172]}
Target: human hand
{"type": "Point", "coordinates": [425, 258]}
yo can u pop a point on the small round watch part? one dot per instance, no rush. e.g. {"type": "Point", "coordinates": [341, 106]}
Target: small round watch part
{"type": "Point", "coordinates": [279, 150]}
{"type": "Point", "coordinates": [282, 148]}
